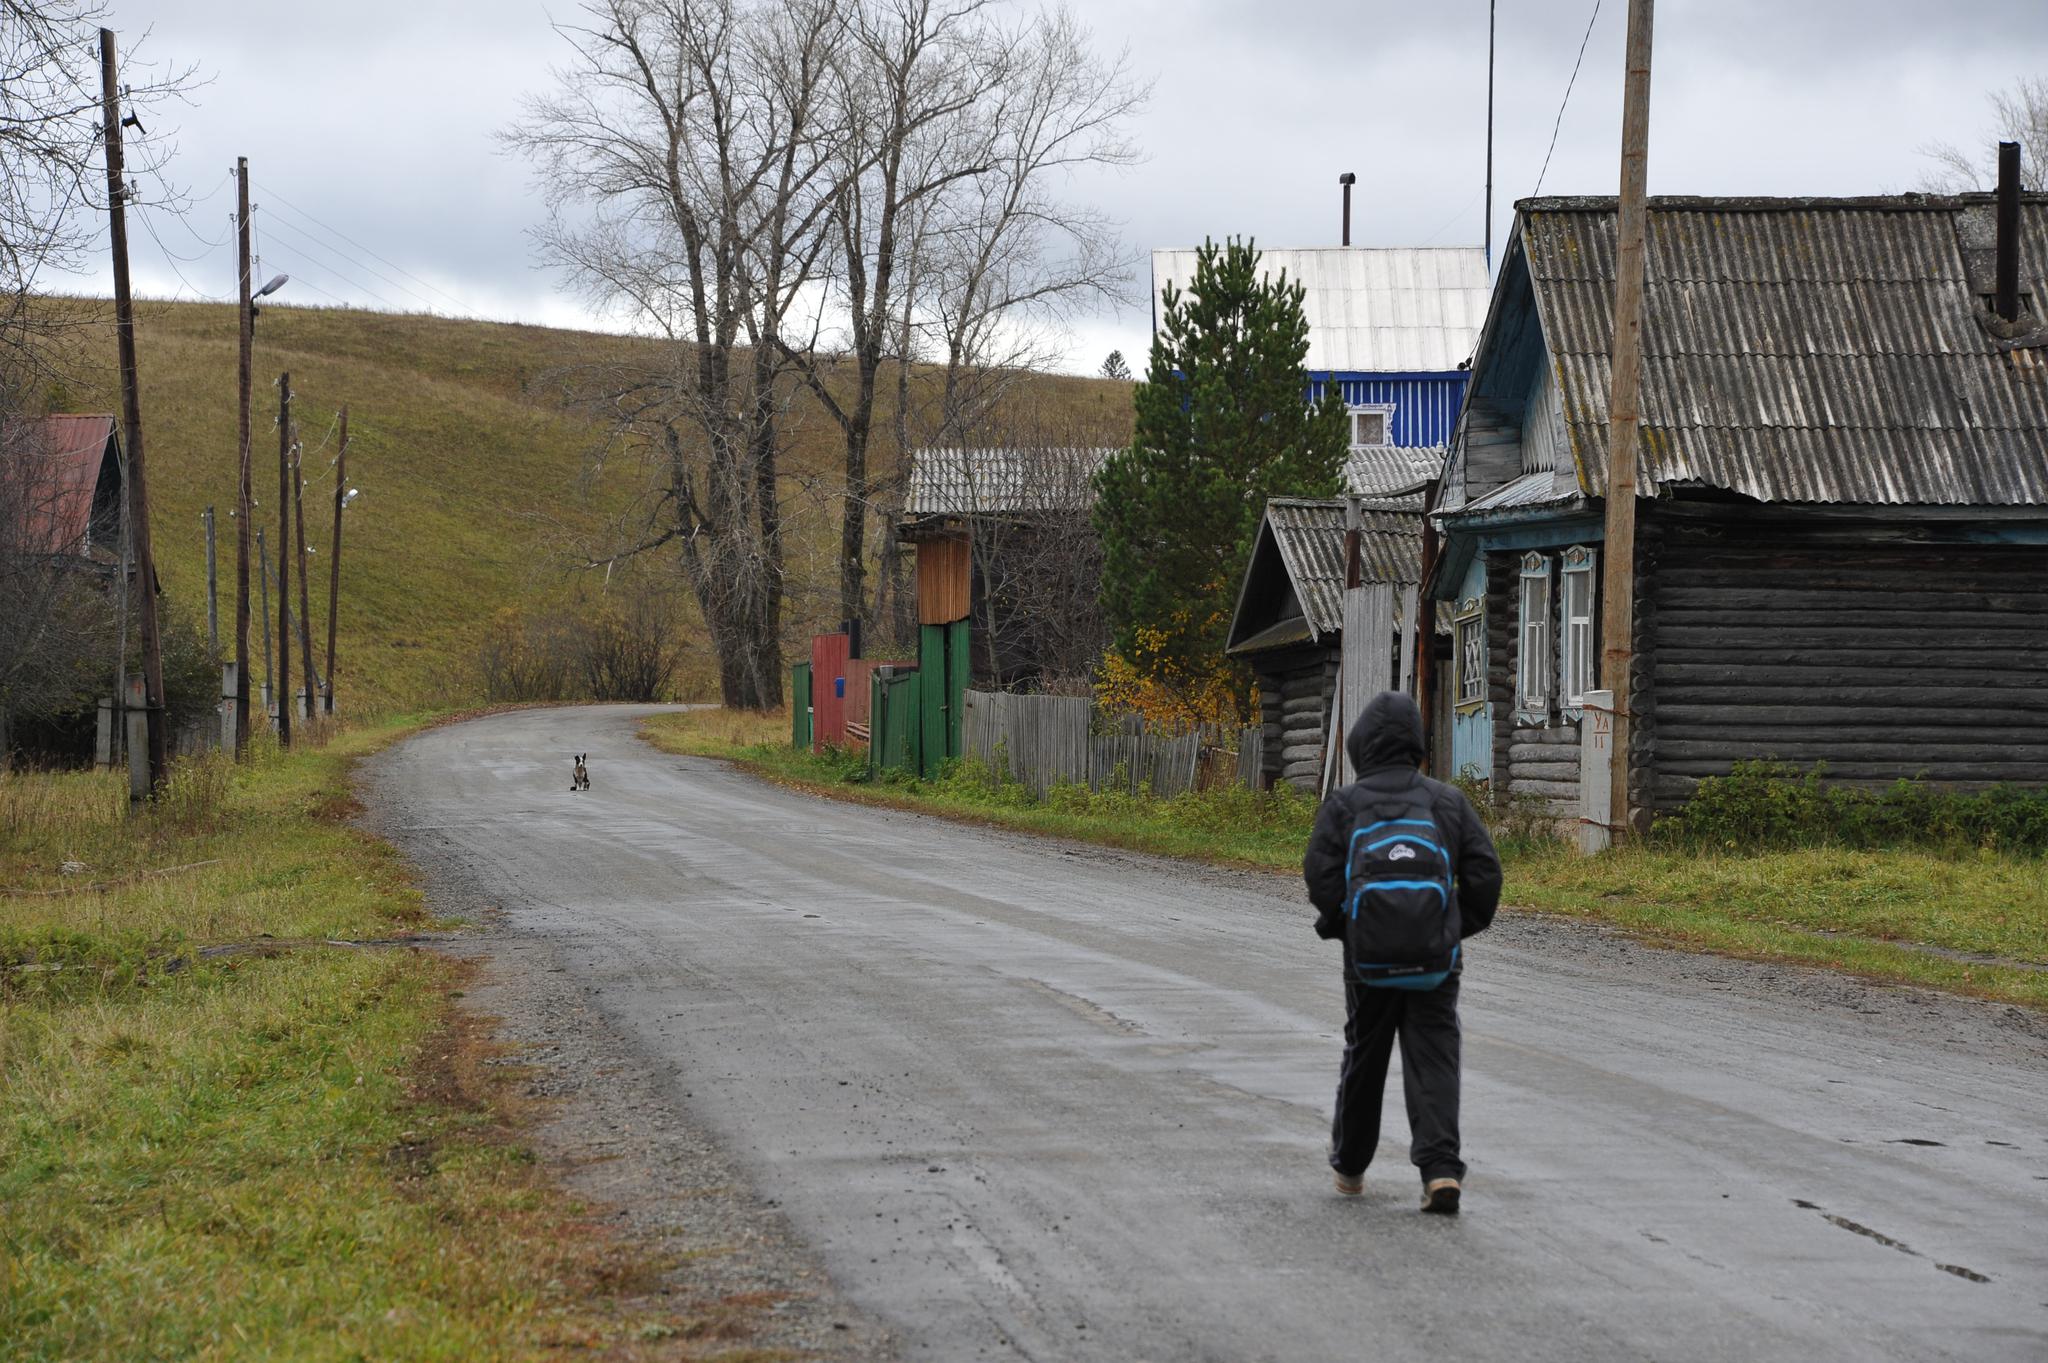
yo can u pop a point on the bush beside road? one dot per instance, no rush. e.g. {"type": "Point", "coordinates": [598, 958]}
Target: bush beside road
{"type": "Point", "coordinates": [1966, 919]}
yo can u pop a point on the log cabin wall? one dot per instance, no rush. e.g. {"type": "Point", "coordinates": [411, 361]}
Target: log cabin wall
{"type": "Point", "coordinates": [1296, 689]}
{"type": "Point", "coordinates": [1880, 657]}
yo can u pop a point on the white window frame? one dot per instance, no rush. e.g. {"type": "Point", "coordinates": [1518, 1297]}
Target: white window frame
{"type": "Point", "coordinates": [1535, 657]}
{"type": "Point", "coordinates": [1578, 665]}
{"type": "Point", "coordinates": [1468, 690]}
{"type": "Point", "coordinates": [1385, 412]}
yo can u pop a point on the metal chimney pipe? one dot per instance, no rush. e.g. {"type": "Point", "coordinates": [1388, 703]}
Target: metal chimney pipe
{"type": "Point", "coordinates": [2007, 298]}
{"type": "Point", "coordinates": [1347, 179]}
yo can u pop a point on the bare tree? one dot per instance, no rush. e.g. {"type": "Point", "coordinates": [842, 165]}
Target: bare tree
{"type": "Point", "coordinates": [685, 162]}
{"type": "Point", "coordinates": [50, 180]}
{"type": "Point", "coordinates": [950, 236]}
{"type": "Point", "coordinates": [2018, 115]}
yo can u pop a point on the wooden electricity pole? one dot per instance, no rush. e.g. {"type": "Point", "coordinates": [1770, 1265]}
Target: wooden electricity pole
{"type": "Point", "coordinates": [245, 495]}
{"type": "Point", "coordinates": [131, 414]}
{"type": "Point", "coordinates": [212, 590]}
{"type": "Point", "coordinates": [283, 692]}
{"type": "Point", "coordinates": [263, 582]}
{"type": "Point", "coordinates": [1618, 579]}
{"type": "Point", "coordinates": [305, 611]}
{"type": "Point", "coordinates": [334, 559]}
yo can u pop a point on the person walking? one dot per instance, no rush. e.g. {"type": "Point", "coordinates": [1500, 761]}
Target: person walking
{"type": "Point", "coordinates": [1401, 870]}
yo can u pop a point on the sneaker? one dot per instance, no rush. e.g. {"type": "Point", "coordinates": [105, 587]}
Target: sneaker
{"type": "Point", "coordinates": [1351, 1185]}
{"type": "Point", "coordinates": [1440, 1195]}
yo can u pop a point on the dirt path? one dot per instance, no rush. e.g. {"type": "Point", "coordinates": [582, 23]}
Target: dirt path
{"type": "Point", "coordinates": [1022, 1099]}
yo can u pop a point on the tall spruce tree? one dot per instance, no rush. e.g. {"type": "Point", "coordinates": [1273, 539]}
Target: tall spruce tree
{"type": "Point", "coordinates": [1223, 423]}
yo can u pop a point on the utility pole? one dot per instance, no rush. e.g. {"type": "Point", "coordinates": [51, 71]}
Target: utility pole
{"type": "Point", "coordinates": [284, 560]}
{"type": "Point", "coordinates": [245, 496]}
{"type": "Point", "coordinates": [1617, 606]}
{"type": "Point", "coordinates": [212, 590]}
{"type": "Point", "coordinates": [263, 569]}
{"type": "Point", "coordinates": [1489, 133]}
{"type": "Point", "coordinates": [334, 559]}
{"type": "Point", "coordinates": [131, 411]}
{"type": "Point", "coordinates": [305, 611]}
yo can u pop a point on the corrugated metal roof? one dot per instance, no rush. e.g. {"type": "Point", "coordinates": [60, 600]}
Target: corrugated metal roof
{"type": "Point", "coordinates": [1541, 488]}
{"type": "Point", "coordinates": [967, 482]}
{"type": "Point", "coordinates": [1310, 535]}
{"type": "Point", "coordinates": [1388, 470]}
{"type": "Point", "coordinates": [989, 481]}
{"type": "Point", "coordinates": [1371, 309]}
{"type": "Point", "coordinates": [1801, 350]}
{"type": "Point", "coordinates": [71, 450]}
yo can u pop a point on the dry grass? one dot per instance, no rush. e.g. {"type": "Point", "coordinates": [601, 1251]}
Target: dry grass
{"type": "Point", "coordinates": [295, 1151]}
{"type": "Point", "coordinates": [476, 483]}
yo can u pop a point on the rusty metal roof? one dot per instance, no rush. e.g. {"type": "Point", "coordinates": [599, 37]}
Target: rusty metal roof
{"type": "Point", "coordinates": [1371, 309]}
{"type": "Point", "coordinates": [1803, 350]}
{"type": "Point", "coordinates": [68, 452]}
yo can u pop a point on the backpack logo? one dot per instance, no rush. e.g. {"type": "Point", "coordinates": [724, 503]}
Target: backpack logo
{"type": "Point", "coordinates": [1401, 852]}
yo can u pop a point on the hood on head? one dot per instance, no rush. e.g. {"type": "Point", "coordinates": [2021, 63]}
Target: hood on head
{"type": "Point", "coordinates": [1388, 734]}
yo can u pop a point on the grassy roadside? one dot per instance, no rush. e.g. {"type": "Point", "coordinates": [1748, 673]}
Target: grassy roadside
{"type": "Point", "coordinates": [1900, 916]}
{"type": "Point", "coordinates": [225, 1133]}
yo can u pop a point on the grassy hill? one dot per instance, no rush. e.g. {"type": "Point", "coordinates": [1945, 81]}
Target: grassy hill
{"type": "Point", "coordinates": [475, 481]}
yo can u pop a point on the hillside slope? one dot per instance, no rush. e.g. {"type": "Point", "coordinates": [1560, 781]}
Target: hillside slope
{"type": "Point", "coordinates": [474, 480]}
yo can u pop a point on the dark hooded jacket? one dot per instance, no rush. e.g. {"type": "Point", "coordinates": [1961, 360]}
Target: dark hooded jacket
{"type": "Point", "coordinates": [1386, 748]}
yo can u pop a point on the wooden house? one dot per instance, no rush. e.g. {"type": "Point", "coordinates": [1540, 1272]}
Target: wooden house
{"type": "Point", "coordinates": [1393, 329]}
{"type": "Point", "coordinates": [1289, 621]}
{"type": "Point", "coordinates": [1842, 533]}
{"type": "Point", "coordinates": [1003, 542]}
{"type": "Point", "coordinates": [68, 488]}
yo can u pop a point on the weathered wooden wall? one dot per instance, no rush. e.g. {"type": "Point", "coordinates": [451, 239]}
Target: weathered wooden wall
{"type": "Point", "coordinates": [1046, 741]}
{"type": "Point", "coordinates": [1296, 689]}
{"type": "Point", "coordinates": [1881, 659]}
{"type": "Point", "coordinates": [945, 579]}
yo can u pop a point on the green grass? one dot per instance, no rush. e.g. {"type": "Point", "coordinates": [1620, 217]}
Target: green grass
{"type": "Point", "coordinates": [477, 485]}
{"type": "Point", "coordinates": [297, 1151]}
{"type": "Point", "coordinates": [1872, 912]}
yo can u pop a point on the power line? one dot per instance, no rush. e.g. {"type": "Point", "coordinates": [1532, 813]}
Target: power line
{"type": "Point", "coordinates": [1567, 98]}
{"type": "Point", "coordinates": [312, 242]}
{"type": "Point", "coordinates": [367, 251]}
{"type": "Point", "coordinates": [172, 258]}
{"type": "Point", "coordinates": [333, 270]}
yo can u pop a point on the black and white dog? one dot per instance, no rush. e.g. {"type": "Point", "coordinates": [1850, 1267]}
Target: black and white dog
{"type": "Point", "coordinates": [579, 778]}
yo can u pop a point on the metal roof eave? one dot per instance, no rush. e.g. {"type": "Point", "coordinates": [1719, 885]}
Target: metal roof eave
{"type": "Point", "coordinates": [1297, 629]}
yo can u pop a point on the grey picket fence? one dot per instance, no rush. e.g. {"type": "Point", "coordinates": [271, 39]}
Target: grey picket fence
{"type": "Point", "coordinates": [1047, 741]}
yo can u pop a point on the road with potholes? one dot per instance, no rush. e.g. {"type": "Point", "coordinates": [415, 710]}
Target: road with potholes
{"type": "Point", "coordinates": [1026, 1099]}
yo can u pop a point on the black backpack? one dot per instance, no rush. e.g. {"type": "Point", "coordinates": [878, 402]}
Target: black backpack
{"type": "Point", "coordinates": [1401, 919]}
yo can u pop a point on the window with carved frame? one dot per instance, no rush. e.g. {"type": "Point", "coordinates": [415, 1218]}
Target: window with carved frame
{"type": "Point", "coordinates": [1468, 638]}
{"type": "Point", "coordinates": [1533, 661]}
{"type": "Point", "coordinates": [1578, 664]}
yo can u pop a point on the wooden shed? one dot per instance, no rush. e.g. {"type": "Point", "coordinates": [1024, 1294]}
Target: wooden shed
{"type": "Point", "coordinates": [1003, 541]}
{"type": "Point", "coordinates": [1289, 620]}
{"type": "Point", "coordinates": [1842, 544]}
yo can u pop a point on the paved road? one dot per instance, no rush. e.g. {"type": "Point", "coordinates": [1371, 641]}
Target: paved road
{"type": "Point", "coordinates": [1036, 1101]}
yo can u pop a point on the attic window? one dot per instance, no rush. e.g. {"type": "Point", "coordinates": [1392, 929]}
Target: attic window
{"type": "Point", "coordinates": [1372, 425]}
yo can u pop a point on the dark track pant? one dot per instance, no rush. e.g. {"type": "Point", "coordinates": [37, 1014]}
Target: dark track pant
{"type": "Point", "coordinates": [1426, 1022]}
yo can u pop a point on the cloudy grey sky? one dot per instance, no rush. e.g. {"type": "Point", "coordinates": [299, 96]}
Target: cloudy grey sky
{"type": "Point", "coordinates": [369, 126]}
